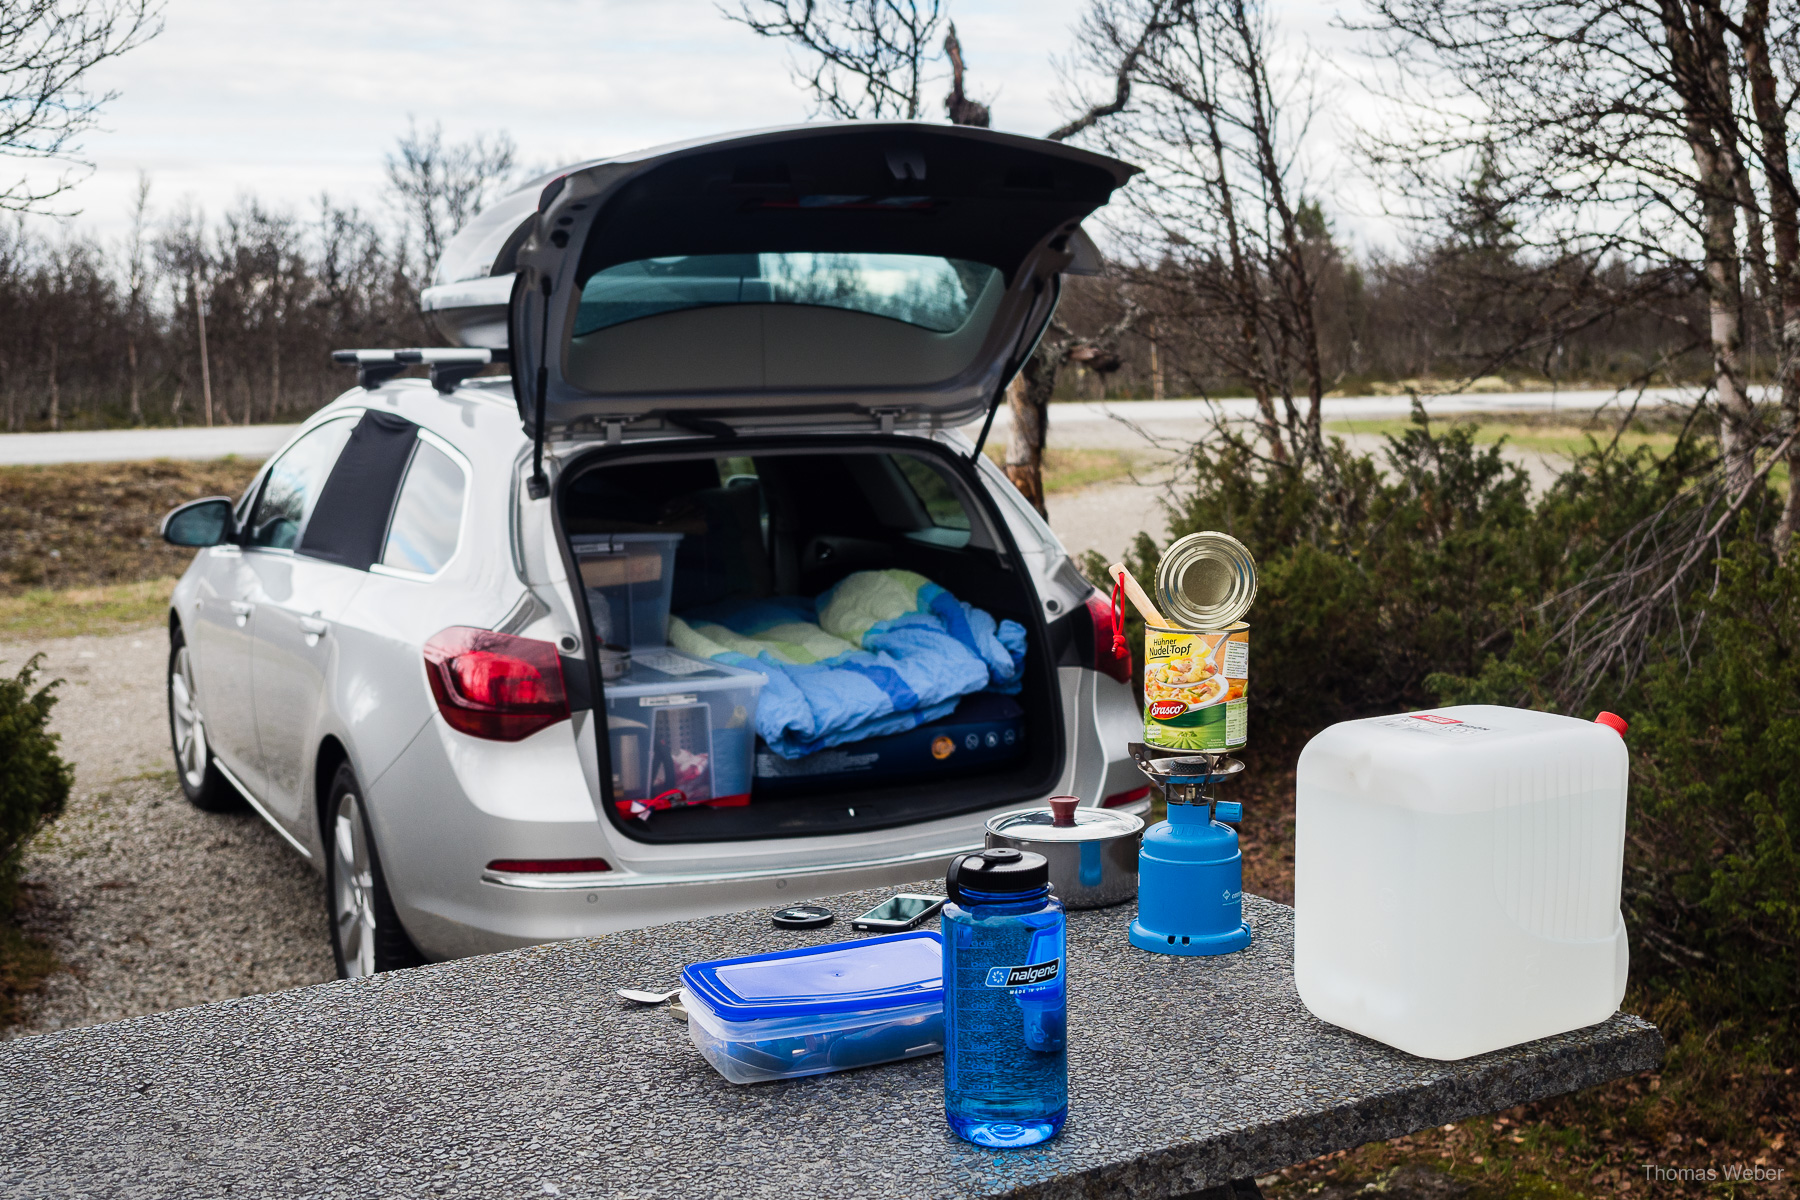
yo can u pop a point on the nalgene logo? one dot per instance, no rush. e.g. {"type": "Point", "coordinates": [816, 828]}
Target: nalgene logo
{"type": "Point", "coordinates": [1012, 977]}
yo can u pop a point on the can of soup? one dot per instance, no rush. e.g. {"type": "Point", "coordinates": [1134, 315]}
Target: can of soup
{"type": "Point", "coordinates": [1194, 685]}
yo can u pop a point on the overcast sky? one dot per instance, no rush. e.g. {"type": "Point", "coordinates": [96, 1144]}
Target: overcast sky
{"type": "Point", "coordinates": [285, 101]}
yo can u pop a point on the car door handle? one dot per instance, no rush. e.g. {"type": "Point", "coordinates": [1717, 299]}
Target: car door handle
{"type": "Point", "coordinates": [314, 627]}
{"type": "Point", "coordinates": [242, 610]}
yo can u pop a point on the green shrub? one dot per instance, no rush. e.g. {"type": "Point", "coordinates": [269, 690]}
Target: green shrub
{"type": "Point", "coordinates": [1367, 588]}
{"type": "Point", "coordinates": [1713, 882]}
{"type": "Point", "coordinates": [1425, 579]}
{"type": "Point", "coordinates": [34, 780]}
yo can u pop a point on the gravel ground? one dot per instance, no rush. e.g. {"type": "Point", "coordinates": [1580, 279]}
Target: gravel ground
{"type": "Point", "coordinates": [1107, 517]}
{"type": "Point", "coordinates": [150, 903]}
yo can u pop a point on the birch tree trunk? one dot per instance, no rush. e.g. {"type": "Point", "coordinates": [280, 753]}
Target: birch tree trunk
{"type": "Point", "coordinates": [1784, 233]}
{"type": "Point", "coordinates": [1699, 55]}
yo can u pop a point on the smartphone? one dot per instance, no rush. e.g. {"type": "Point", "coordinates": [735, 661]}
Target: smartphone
{"type": "Point", "coordinates": [898, 912]}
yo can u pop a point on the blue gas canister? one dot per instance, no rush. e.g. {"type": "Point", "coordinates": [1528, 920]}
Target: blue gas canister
{"type": "Point", "coordinates": [1006, 1067]}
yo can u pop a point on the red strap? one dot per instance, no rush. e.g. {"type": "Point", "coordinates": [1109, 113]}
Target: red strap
{"type": "Point", "coordinates": [1120, 649]}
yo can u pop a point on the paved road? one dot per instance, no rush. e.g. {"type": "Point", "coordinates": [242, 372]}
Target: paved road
{"type": "Point", "coordinates": [1082, 423]}
{"type": "Point", "coordinates": [132, 445]}
{"type": "Point", "coordinates": [1172, 424]}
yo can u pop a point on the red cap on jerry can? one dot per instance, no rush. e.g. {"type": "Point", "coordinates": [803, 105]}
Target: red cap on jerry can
{"type": "Point", "coordinates": [1614, 722]}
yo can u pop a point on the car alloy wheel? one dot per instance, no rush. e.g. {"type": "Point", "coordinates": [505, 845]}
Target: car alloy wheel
{"type": "Point", "coordinates": [189, 728]}
{"type": "Point", "coordinates": [353, 881]}
{"type": "Point", "coordinates": [195, 767]}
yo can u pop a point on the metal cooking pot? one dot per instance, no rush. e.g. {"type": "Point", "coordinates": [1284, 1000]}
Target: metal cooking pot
{"type": "Point", "coordinates": [1093, 852]}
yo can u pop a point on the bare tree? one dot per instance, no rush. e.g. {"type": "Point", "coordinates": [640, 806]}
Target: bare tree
{"type": "Point", "coordinates": [856, 58]}
{"type": "Point", "coordinates": [1120, 64]}
{"type": "Point", "coordinates": [1029, 396]}
{"type": "Point", "coordinates": [961, 109]}
{"type": "Point", "coordinates": [1782, 296]}
{"type": "Point", "coordinates": [438, 187]}
{"type": "Point", "coordinates": [1620, 131]}
{"type": "Point", "coordinates": [1216, 227]}
{"type": "Point", "coordinates": [137, 279]}
{"type": "Point", "coordinates": [48, 48]}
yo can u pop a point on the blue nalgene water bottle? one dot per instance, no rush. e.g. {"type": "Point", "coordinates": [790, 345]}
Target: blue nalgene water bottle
{"type": "Point", "coordinates": [1006, 1066]}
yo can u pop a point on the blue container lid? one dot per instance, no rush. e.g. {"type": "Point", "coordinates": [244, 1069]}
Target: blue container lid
{"type": "Point", "coordinates": [872, 973]}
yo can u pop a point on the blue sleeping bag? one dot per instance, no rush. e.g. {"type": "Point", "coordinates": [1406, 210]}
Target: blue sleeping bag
{"type": "Point", "coordinates": [879, 653]}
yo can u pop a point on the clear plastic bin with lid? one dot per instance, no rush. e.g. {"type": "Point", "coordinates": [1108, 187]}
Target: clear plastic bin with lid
{"type": "Point", "coordinates": [1457, 877]}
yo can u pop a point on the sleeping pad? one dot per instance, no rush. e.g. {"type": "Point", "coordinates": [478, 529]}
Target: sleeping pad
{"type": "Point", "coordinates": [877, 654]}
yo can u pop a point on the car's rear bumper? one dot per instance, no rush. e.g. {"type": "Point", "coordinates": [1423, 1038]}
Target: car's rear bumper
{"type": "Point", "coordinates": [548, 908]}
{"type": "Point", "coordinates": [447, 808]}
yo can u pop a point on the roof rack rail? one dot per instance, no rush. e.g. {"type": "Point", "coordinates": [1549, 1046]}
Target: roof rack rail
{"type": "Point", "coordinates": [449, 365]}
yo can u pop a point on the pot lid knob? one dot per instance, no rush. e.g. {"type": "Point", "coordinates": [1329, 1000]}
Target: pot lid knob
{"type": "Point", "coordinates": [1062, 811]}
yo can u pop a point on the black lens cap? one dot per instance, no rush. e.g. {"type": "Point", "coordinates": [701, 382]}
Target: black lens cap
{"type": "Point", "coordinates": [803, 916]}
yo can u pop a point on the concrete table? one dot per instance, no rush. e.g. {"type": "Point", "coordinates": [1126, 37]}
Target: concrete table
{"type": "Point", "coordinates": [520, 1075]}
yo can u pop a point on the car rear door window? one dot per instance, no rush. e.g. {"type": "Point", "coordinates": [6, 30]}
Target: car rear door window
{"type": "Point", "coordinates": [291, 489]}
{"type": "Point", "coordinates": [937, 294]}
{"type": "Point", "coordinates": [428, 514]}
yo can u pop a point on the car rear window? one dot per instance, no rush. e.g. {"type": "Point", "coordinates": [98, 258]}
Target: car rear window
{"type": "Point", "coordinates": [937, 294]}
{"type": "Point", "coordinates": [427, 515]}
{"type": "Point", "coordinates": [934, 492]}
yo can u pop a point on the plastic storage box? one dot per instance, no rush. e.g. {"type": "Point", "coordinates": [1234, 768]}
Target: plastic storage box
{"type": "Point", "coordinates": [986, 730]}
{"type": "Point", "coordinates": [1457, 877]}
{"type": "Point", "coordinates": [819, 1009]}
{"type": "Point", "coordinates": [628, 578]}
{"type": "Point", "coordinates": [681, 730]}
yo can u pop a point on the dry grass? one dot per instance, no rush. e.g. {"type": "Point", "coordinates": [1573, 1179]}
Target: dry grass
{"type": "Point", "coordinates": [94, 525]}
{"type": "Point", "coordinates": [1068, 470]}
{"type": "Point", "coordinates": [74, 612]}
{"type": "Point", "coordinates": [24, 962]}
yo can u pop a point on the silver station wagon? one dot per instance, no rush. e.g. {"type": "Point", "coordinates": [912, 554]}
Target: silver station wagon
{"type": "Point", "coordinates": [708, 605]}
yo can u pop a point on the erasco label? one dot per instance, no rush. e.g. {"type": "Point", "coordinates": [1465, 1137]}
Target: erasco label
{"type": "Point", "coordinates": [1012, 977]}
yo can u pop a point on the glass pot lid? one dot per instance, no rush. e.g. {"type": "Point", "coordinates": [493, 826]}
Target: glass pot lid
{"type": "Point", "coordinates": [1088, 825]}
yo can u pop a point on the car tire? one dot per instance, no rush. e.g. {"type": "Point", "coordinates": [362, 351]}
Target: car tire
{"type": "Point", "coordinates": [201, 781]}
{"type": "Point", "coordinates": [366, 934]}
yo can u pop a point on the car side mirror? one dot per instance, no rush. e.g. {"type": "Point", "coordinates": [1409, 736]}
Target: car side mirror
{"type": "Point", "coordinates": [205, 522]}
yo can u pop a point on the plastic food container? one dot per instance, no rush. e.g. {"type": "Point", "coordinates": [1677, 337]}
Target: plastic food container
{"type": "Point", "coordinates": [819, 1009]}
{"type": "Point", "coordinates": [682, 731]}
{"type": "Point", "coordinates": [1457, 877]}
{"type": "Point", "coordinates": [628, 579]}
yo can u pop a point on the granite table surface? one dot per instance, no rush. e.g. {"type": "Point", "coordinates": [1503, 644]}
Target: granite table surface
{"type": "Point", "coordinates": [521, 1075]}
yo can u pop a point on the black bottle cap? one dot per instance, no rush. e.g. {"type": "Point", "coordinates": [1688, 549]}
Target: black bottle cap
{"type": "Point", "coordinates": [1001, 871]}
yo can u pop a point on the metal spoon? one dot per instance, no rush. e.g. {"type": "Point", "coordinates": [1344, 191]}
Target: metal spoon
{"type": "Point", "coordinates": [641, 997]}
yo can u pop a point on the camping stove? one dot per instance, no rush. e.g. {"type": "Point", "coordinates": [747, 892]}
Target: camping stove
{"type": "Point", "coordinates": [1190, 872]}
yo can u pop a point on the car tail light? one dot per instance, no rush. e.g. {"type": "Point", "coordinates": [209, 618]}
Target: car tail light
{"type": "Point", "coordinates": [1124, 798]}
{"type": "Point", "coordinates": [495, 685]}
{"type": "Point", "coordinates": [1100, 610]}
{"type": "Point", "coordinates": [550, 866]}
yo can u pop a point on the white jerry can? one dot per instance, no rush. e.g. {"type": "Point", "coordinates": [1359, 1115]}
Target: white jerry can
{"type": "Point", "coordinates": [1457, 876]}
